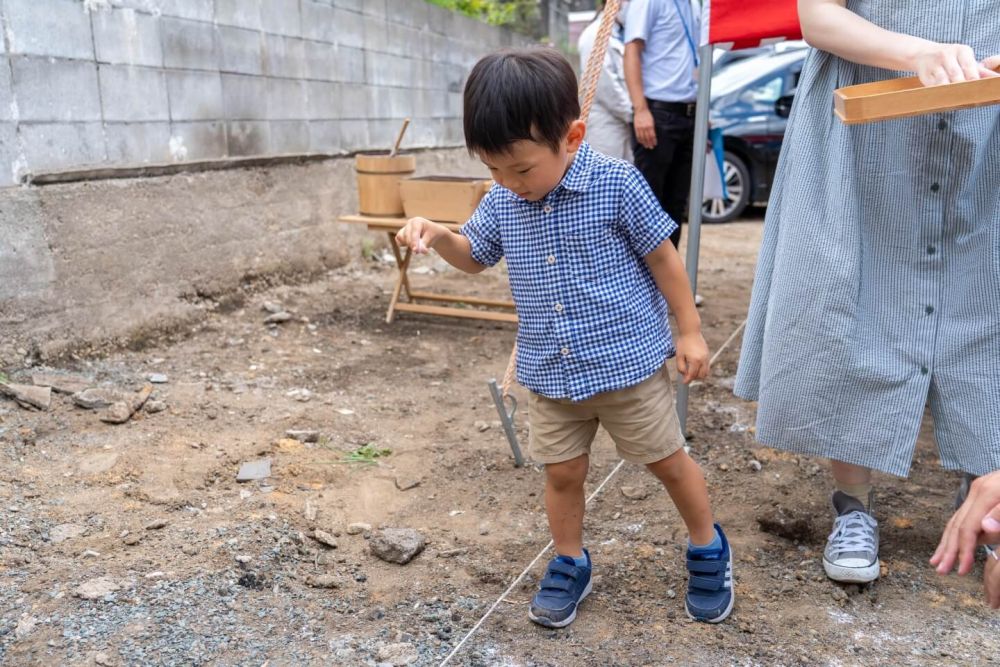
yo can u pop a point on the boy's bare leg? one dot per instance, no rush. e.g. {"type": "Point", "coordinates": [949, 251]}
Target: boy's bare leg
{"type": "Point", "coordinates": [686, 485]}
{"type": "Point", "coordinates": [564, 503]}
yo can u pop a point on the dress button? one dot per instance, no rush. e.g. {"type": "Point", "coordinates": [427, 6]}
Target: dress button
{"type": "Point", "coordinates": [551, 259]}
{"type": "Point", "coordinates": [929, 309]}
{"type": "Point", "coordinates": [564, 352]}
{"type": "Point", "coordinates": [931, 250]}
{"type": "Point", "coordinates": [547, 208]}
{"type": "Point", "coordinates": [942, 124]}
{"type": "Point", "coordinates": [923, 370]}
{"type": "Point", "coordinates": [935, 187]}
{"type": "Point", "coordinates": [559, 308]}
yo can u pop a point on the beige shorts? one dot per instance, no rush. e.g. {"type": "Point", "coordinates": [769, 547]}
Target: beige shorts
{"type": "Point", "coordinates": [642, 420]}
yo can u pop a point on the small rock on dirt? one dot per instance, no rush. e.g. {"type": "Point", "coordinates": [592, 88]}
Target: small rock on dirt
{"type": "Point", "coordinates": [65, 531]}
{"type": "Point", "coordinates": [323, 581]}
{"type": "Point", "coordinates": [271, 307]}
{"type": "Point", "coordinates": [635, 492]}
{"type": "Point", "coordinates": [397, 545]}
{"type": "Point", "coordinates": [117, 413]}
{"type": "Point", "coordinates": [104, 660]}
{"type": "Point", "coordinates": [155, 406]}
{"type": "Point", "coordinates": [28, 396]}
{"type": "Point", "coordinates": [254, 470]}
{"type": "Point", "coordinates": [132, 539]}
{"type": "Point", "coordinates": [61, 384]}
{"type": "Point", "coordinates": [95, 589]}
{"type": "Point", "coordinates": [326, 538]}
{"type": "Point", "coordinates": [358, 528]}
{"type": "Point", "coordinates": [157, 524]}
{"type": "Point", "coordinates": [303, 436]}
{"type": "Point", "coordinates": [398, 654]}
{"type": "Point", "coordinates": [158, 378]}
{"type": "Point", "coordinates": [278, 318]}
{"type": "Point", "coordinates": [310, 511]}
{"type": "Point", "coordinates": [96, 397]}
{"type": "Point", "coordinates": [755, 465]}
{"type": "Point", "coordinates": [25, 626]}
{"type": "Point", "coordinates": [482, 426]}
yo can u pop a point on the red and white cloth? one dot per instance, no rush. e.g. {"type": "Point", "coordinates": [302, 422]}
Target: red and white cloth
{"type": "Point", "coordinates": [743, 24]}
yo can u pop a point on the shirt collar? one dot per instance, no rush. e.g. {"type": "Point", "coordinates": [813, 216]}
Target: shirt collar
{"type": "Point", "coordinates": [577, 178]}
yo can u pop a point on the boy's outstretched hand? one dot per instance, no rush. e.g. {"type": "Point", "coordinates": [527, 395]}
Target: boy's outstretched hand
{"type": "Point", "coordinates": [692, 357]}
{"type": "Point", "coordinates": [419, 234]}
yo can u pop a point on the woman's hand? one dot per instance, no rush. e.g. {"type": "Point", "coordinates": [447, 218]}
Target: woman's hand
{"type": "Point", "coordinates": [991, 582]}
{"type": "Point", "coordinates": [977, 521]}
{"type": "Point", "coordinates": [938, 64]}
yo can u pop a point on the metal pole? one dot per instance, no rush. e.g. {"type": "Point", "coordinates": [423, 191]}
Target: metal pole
{"type": "Point", "coordinates": [697, 194]}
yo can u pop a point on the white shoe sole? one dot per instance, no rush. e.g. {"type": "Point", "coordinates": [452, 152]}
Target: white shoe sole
{"type": "Point", "coordinates": [852, 575]}
{"type": "Point", "coordinates": [541, 620]}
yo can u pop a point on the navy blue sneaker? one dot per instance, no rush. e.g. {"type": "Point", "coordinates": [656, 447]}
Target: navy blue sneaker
{"type": "Point", "coordinates": [710, 583]}
{"type": "Point", "coordinates": [560, 592]}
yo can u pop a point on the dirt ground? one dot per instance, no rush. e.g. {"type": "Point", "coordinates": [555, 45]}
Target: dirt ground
{"type": "Point", "coordinates": [201, 569]}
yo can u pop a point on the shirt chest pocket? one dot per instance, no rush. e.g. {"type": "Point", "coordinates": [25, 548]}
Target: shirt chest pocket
{"type": "Point", "coordinates": [596, 254]}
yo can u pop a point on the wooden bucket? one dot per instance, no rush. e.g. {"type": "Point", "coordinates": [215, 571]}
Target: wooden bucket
{"type": "Point", "coordinates": [378, 182]}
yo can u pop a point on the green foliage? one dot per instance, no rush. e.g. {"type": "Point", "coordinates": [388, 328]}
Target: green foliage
{"type": "Point", "coordinates": [520, 15]}
{"type": "Point", "coordinates": [366, 455]}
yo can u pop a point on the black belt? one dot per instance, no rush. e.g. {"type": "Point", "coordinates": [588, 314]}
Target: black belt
{"type": "Point", "coordinates": [680, 108]}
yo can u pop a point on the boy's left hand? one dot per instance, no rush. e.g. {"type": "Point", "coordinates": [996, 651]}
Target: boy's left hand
{"type": "Point", "coordinates": [692, 357]}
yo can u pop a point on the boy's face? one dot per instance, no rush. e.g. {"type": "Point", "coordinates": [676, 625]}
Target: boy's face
{"type": "Point", "coordinates": [532, 170]}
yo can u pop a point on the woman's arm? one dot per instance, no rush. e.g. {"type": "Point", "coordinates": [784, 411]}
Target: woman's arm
{"type": "Point", "coordinates": [830, 26]}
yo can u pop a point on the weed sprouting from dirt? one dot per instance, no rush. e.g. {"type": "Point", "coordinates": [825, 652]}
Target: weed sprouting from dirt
{"type": "Point", "coordinates": [367, 454]}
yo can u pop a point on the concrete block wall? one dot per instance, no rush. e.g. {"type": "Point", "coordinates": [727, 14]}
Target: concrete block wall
{"type": "Point", "coordinates": [123, 82]}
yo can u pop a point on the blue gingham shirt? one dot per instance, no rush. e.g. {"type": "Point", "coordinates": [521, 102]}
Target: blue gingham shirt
{"type": "Point", "coordinates": [590, 317]}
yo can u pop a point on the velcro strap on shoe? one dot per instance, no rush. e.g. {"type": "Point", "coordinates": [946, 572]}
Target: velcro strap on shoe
{"type": "Point", "coordinates": [557, 584]}
{"type": "Point", "coordinates": [706, 566]}
{"type": "Point", "coordinates": [706, 584]}
{"type": "Point", "coordinates": [564, 568]}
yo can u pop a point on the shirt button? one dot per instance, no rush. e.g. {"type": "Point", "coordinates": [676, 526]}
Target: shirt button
{"type": "Point", "coordinates": [935, 187]}
{"type": "Point", "coordinates": [929, 309]}
{"type": "Point", "coordinates": [923, 370]}
{"type": "Point", "coordinates": [564, 352]}
{"type": "Point", "coordinates": [942, 124]}
{"type": "Point", "coordinates": [551, 259]}
{"type": "Point", "coordinates": [931, 250]}
{"type": "Point", "coordinates": [559, 308]}
{"type": "Point", "coordinates": [547, 208]}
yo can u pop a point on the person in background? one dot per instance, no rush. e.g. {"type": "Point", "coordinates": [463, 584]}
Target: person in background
{"type": "Point", "coordinates": [660, 64]}
{"type": "Point", "coordinates": [609, 128]}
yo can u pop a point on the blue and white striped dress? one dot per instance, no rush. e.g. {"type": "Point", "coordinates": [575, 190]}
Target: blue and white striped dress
{"type": "Point", "coordinates": [878, 284]}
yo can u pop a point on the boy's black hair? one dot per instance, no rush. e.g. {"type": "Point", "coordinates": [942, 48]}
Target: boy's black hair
{"type": "Point", "coordinates": [519, 94]}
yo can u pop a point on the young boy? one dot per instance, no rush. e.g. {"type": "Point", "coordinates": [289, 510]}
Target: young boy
{"type": "Point", "coordinates": [591, 271]}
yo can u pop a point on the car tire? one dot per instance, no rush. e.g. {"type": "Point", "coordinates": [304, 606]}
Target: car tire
{"type": "Point", "coordinates": [738, 187]}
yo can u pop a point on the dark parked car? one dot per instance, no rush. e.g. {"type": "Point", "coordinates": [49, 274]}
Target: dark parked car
{"type": "Point", "coordinates": [751, 100]}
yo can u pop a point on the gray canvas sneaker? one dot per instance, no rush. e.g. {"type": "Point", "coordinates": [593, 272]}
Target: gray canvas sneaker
{"type": "Point", "coordinates": [851, 554]}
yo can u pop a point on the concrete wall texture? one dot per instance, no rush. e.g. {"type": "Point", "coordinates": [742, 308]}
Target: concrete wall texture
{"type": "Point", "coordinates": [122, 82]}
{"type": "Point", "coordinates": [87, 83]}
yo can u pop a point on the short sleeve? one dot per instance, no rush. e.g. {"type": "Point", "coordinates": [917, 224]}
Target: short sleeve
{"type": "Point", "coordinates": [483, 232]}
{"type": "Point", "coordinates": [645, 223]}
{"type": "Point", "coordinates": [640, 19]}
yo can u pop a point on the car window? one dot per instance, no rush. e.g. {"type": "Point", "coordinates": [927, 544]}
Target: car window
{"type": "Point", "coordinates": [764, 93]}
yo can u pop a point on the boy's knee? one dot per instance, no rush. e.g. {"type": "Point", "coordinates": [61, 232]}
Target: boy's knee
{"type": "Point", "coordinates": [672, 467]}
{"type": "Point", "coordinates": [567, 474]}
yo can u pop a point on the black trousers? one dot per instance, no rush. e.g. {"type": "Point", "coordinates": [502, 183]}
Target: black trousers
{"type": "Point", "coordinates": [667, 167]}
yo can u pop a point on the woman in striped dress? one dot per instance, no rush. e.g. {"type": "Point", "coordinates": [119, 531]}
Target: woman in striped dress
{"type": "Point", "coordinates": [878, 284]}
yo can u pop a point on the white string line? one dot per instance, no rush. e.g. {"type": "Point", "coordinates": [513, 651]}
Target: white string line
{"type": "Point", "coordinates": [548, 546]}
